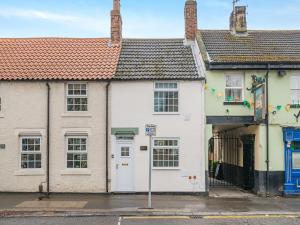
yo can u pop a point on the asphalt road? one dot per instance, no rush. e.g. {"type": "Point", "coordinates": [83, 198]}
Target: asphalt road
{"type": "Point", "coordinates": [149, 221]}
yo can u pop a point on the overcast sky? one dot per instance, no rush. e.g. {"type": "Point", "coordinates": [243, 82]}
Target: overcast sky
{"type": "Point", "coordinates": [141, 18]}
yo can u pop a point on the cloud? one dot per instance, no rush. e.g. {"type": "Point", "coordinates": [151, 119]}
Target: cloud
{"type": "Point", "coordinates": [35, 14]}
{"type": "Point", "coordinates": [99, 24]}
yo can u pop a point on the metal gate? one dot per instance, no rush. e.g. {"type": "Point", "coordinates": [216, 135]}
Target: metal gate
{"type": "Point", "coordinates": [224, 160]}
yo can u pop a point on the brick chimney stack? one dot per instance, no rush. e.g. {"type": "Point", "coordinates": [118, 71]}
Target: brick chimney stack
{"type": "Point", "coordinates": [238, 20]}
{"type": "Point", "coordinates": [116, 23]}
{"type": "Point", "coordinates": [190, 16]}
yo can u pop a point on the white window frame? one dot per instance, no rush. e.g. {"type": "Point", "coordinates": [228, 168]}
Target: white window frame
{"type": "Point", "coordinates": [169, 147]}
{"type": "Point", "coordinates": [229, 88]}
{"type": "Point", "coordinates": [21, 138]}
{"type": "Point", "coordinates": [297, 77]}
{"type": "Point", "coordinates": [76, 96]}
{"type": "Point", "coordinates": [166, 90]}
{"type": "Point", "coordinates": [76, 152]}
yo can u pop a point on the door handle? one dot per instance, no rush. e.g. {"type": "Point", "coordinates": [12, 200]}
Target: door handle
{"type": "Point", "coordinates": [117, 166]}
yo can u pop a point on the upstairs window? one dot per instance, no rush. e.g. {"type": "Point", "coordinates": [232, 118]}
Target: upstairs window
{"type": "Point", "coordinates": [31, 157]}
{"type": "Point", "coordinates": [234, 88]}
{"type": "Point", "coordinates": [295, 90]}
{"type": "Point", "coordinates": [166, 97]}
{"type": "Point", "coordinates": [77, 100]}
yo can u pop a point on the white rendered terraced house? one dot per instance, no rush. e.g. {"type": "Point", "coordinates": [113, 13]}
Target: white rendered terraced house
{"type": "Point", "coordinates": [73, 117]}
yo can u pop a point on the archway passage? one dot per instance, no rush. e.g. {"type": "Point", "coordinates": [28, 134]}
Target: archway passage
{"type": "Point", "coordinates": [231, 164]}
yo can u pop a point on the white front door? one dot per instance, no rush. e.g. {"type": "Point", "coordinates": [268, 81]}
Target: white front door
{"type": "Point", "coordinates": [124, 167]}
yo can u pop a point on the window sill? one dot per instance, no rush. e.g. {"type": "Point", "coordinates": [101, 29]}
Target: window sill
{"type": "Point", "coordinates": [233, 103]}
{"type": "Point", "coordinates": [165, 168]}
{"type": "Point", "coordinates": [30, 172]}
{"type": "Point", "coordinates": [293, 106]}
{"type": "Point", "coordinates": [83, 172]}
{"type": "Point", "coordinates": [76, 114]}
{"type": "Point", "coordinates": [166, 113]}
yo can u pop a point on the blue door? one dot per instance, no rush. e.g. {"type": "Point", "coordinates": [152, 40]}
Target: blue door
{"type": "Point", "coordinates": [292, 161]}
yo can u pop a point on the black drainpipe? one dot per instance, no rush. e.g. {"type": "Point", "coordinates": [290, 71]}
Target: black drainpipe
{"type": "Point", "coordinates": [48, 139]}
{"type": "Point", "coordinates": [267, 134]}
{"type": "Point", "coordinates": [107, 135]}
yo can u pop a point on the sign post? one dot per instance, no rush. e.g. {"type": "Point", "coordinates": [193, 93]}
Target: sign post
{"type": "Point", "coordinates": [150, 131]}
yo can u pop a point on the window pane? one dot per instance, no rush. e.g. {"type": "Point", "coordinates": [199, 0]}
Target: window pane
{"type": "Point", "coordinates": [38, 164]}
{"type": "Point", "coordinates": [83, 164]}
{"type": "Point", "coordinates": [234, 81]}
{"type": "Point", "coordinates": [84, 157]}
{"type": "Point", "coordinates": [31, 164]}
{"type": "Point", "coordinates": [295, 96]}
{"type": "Point", "coordinates": [70, 157]}
{"type": "Point", "coordinates": [125, 151]}
{"type": "Point", "coordinates": [70, 164]}
{"type": "Point", "coordinates": [24, 165]}
{"type": "Point", "coordinates": [77, 164]}
{"type": "Point", "coordinates": [296, 160]}
{"type": "Point", "coordinates": [233, 95]}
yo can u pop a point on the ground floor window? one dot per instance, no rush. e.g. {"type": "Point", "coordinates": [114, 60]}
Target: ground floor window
{"type": "Point", "coordinates": [31, 157]}
{"type": "Point", "coordinates": [77, 152]}
{"type": "Point", "coordinates": [166, 153]}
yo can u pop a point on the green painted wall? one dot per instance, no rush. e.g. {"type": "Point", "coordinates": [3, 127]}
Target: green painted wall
{"type": "Point", "coordinates": [279, 94]}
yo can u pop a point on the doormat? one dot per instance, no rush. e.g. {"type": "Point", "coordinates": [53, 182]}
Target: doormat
{"type": "Point", "coordinates": [53, 204]}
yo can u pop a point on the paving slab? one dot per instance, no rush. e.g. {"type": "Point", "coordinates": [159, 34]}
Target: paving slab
{"type": "Point", "coordinates": [53, 204]}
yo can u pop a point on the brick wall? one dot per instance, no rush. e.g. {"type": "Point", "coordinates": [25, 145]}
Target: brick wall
{"type": "Point", "coordinates": [116, 23]}
{"type": "Point", "coordinates": [190, 14]}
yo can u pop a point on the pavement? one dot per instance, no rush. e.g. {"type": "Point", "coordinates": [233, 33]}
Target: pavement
{"type": "Point", "coordinates": [220, 203]}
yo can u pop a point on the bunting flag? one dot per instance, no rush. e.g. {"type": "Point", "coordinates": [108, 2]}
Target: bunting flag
{"type": "Point", "coordinates": [206, 86]}
{"type": "Point", "coordinates": [220, 94]}
{"type": "Point", "coordinates": [249, 104]}
{"type": "Point", "coordinates": [271, 108]}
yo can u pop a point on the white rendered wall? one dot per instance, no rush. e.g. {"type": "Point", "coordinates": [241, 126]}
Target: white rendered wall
{"type": "Point", "coordinates": [132, 106]}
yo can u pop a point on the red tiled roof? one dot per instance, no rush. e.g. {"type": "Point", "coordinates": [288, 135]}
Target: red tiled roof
{"type": "Point", "coordinates": [57, 59]}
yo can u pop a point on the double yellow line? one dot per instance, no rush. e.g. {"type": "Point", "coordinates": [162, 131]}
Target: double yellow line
{"type": "Point", "coordinates": [209, 217]}
{"type": "Point", "coordinates": [156, 218]}
{"type": "Point", "coordinates": [251, 217]}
